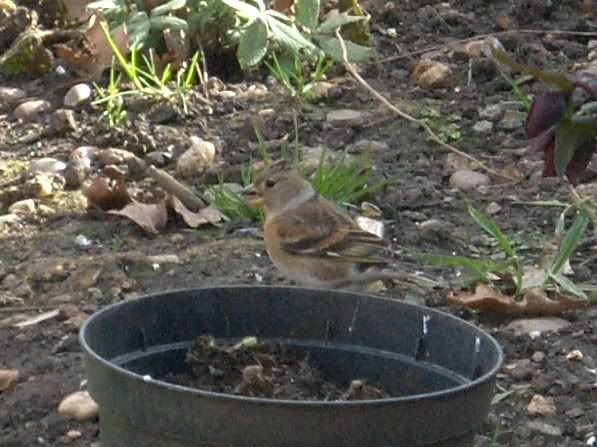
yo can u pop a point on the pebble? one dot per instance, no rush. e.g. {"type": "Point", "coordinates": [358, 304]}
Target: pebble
{"type": "Point", "coordinates": [322, 89]}
{"type": "Point", "coordinates": [364, 146]}
{"type": "Point", "coordinates": [483, 127]}
{"type": "Point", "coordinates": [113, 156]}
{"type": "Point", "coordinates": [575, 355]}
{"type": "Point", "coordinates": [8, 379]}
{"type": "Point", "coordinates": [10, 95]}
{"type": "Point", "coordinates": [345, 118]}
{"type": "Point", "coordinates": [62, 121]}
{"type": "Point", "coordinates": [512, 120]}
{"type": "Point", "coordinates": [523, 370]}
{"type": "Point", "coordinates": [43, 185]}
{"type": "Point", "coordinates": [491, 113]}
{"type": "Point", "coordinates": [544, 428]}
{"type": "Point", "coordinates": [22, 207]}
{"type": "Point", "coordinates": [29, 110]}
{"type": "Point", "coordinates": [432, 75]}
{"type": "Point", "coordinates": [77, 96]}
{"type": "Point", "coordinates": [540, 406]}
{"type": "Point", "coordinates": [200, 156]}
{"type": "Point", "coordinates": [79, 406]}
{"type": "Point", "coordinates": [529, 325]}
{"type": "Point", "coordinates": [8, 219]}
{"type": "Point", "coordinates": [466, 180]}
{"type": "Point", "coordinates": [73, 434]}
{"type": "Point", "coordinates": [158, 158]}
{"type": "Point", "coordinates": [46, 166]}
{"type": "Point", "coordinates": [493, 208]}
{"type": "Point", "coordinates": [45, 211]}
{"type": "Point", "coordinates": [575, 412]}
{"type": "Point", "coordinates": [538, 356]}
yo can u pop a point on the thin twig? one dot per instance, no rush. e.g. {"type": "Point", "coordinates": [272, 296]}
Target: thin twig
{"type": "Point", "coordinates": [203, 72]}
{"type": "Point", "coordinates": [177, 189]}
{"type": "Point", "coordinates": [350, 68]}
{"type": "Point", "coordinates": [581, 203]}
{"type": "Point", "coordinates": [483, 36]}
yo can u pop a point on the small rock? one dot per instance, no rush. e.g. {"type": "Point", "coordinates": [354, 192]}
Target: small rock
{"type": "Point", "coordinates": [45, 211]}
{"type": "Point", "coordinates": [538, 357]}
{"type": "Point", "coordinates": [377, 288]}
{"type": "Point", "coordinates": [44, 185]}
{"type": "Point", "coordinates": [369, 225]}
{"type": "Point", "coordinates": [544, 428]}
{"type": "Point", "coordinates": [483, 127]}
{"type": "Point", "coordinates": [113, 156]}
{"type": "Point", "coordinates": [62, 121]}
{"type": "Point", "coordinates": [493, 208]}
{"type": "Point", "coordinates": [77, 96]}
{"type": "Point", "coordinates": [467, 180]}
{"type": "Point", "coordinates": [23, 207]}
{"type": "Point", "coordinates": [321, 89]}
{"type": "Point", "coordinates": [197, 158]}
{"type": "Point", "coordinates": [46, 166]}
{"type": "Point", "coordinates": [79, 406]}
{"type": "Point", "coordinates": [73, 434]}
{"type": "Point", "coordinates": [345, 118]}
{"type": "Point", "coordinates": [575, 412]}
{"type": "Point", "coordinates": [431, 226]}
{"type": "Point", "coordinates": [163, 113]}
{"type": "Point", "coordinates": [8, 379]}
{"type": "Point", "coordinates": [540, 406]}
{"type": "Point", "coordinates": [523, 370]}
{"type": "Point", "coordinates": [29, 110]}
{"type": "Point", "coordinates": [75, 173]}
{"type": "Point", "coordinates": [528, 325]}
{"type": "Point", "coordinates": [158, 158]}
{"type": "Point", "coordinates": [365, 146]}
{"type": "Point", "coordinates": [492, 113]}
{"type": "Point", "coordinates": [512, 120]}
{"type": "Point", "coordinates": [8, 219]}
{"type": "Point", "coordinates": [575, 355]}
{"type": "Point", "coordinates": [10, 95]}
{"type": "Point", "coordinates": [432, 75]}
{"type": "Point", "coordinates": [456, 162]}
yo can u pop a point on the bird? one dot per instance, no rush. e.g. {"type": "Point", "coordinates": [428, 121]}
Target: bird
{"type": "Point", "coordinates": [310, 239]}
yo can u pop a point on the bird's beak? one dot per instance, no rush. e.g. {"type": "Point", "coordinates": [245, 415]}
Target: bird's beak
{"type": "Point", "coordinates": [252, 197]}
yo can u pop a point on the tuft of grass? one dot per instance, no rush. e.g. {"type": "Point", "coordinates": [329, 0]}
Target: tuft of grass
{"type": "Point", "coordinates": [147, 82]}
{"type": "Point", "coordinates": [347, 181]}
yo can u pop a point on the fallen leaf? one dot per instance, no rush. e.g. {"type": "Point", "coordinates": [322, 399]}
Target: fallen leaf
{"type": "Point", "coordinates": [208, 215]}
{"type": "Point", "coordinates": [107, 194]}
{"type": "Point", "coordinates": [152, 217]}
{"type": "Point", "coordinates": [509, 174]}
{"type": "Point", "coordinates": [8, 379]}
{"type": "Point", "coordinates": [535, 302]}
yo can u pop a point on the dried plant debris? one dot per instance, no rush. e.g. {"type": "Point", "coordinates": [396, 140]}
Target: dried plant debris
{"type": "Point", "coordinates": [263, 368]}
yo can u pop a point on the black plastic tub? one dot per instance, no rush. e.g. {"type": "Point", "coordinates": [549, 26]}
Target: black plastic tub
{"type": "Point", "coordinates": [441, 368]}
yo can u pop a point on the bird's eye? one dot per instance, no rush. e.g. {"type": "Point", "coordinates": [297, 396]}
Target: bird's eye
{"type": "Point", "coordinates": [269, 183]}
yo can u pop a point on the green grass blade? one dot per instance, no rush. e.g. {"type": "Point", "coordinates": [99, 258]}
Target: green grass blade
{"type": "Point", "coordinates": [570, 241]}
{"type": "Point", "coordinates": [491, 227]}
{"type": "Point", "coordinates": [568, 286]}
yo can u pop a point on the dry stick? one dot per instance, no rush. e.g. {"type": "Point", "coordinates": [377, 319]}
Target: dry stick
{"type": "Point", "coordinates": [350, 68]}
{"type": "Point", "coordinates": [483, 36]}
{"type": "Point", "coordinates": [177, 189]}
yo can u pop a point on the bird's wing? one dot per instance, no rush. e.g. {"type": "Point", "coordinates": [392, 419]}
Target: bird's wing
{"type": "Point", "coordinates": [319, 229]}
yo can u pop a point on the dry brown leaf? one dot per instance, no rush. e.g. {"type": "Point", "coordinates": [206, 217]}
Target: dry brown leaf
{"type": "Point", "coordinates": [284, 6]}
{"type": "Point", "coordinates": [76, 9]}
{"type": "Point", "coordinates": [178, 45]}
{"type": "Point", "coordinates": [534, 303]}
{"type": "Point", "coordinates": [152, 217]}
{"type": "Point", "coordinates": [208, 215]}
{"type": "Point", "coordinates": [94, 54]}
{"type": "Point", "coordinates": [509, 174]}
{"type": "Point", "coordinates": [107, 194]}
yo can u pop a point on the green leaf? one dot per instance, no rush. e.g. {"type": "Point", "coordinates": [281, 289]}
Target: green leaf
{"type": "Point", "coordinates": [168, 22]}
{"type": "Point", "coordinates": [168, 7]}
{"type": "Point", "coordinates": [243, 9]}
{"type": "Point", "coordinates": [307, 13]}
{"type": "Point", "coordinates": [253, 44]}
{"type": "Point", "coordinates": [330, 25]}
{"type": "Point", "coordinates": [559, 80]}
{"type": "Point", "coordinates": [354, 52]}
{"type": "Point", "coordinates": [568, 135]}
{"type": "Point", "coordinates": [289, 37]}
{"type": "Point", "coordinates": [568, 286]}
{"type": "Point", "coordinates": [570, 241]}
{"type": "Point", "coordinates": [498, 397]}
{"type": "Point", "coordinates": [482, 266]}
{"type": "Point", "coordinates": [490, 227]}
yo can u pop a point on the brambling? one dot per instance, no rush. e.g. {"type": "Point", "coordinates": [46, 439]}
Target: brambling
{"type": "Point", "coordinates": [309, 238]}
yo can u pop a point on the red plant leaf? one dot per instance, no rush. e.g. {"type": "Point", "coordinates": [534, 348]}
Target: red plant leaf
{"type": "Point", "coordinates": [547, 109]}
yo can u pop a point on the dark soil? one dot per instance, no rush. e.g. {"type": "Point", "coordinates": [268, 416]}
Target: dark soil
{"type": "Point", "coordinates": [42, 266]}
{"type": "Point", "coordinates": [265, 369]}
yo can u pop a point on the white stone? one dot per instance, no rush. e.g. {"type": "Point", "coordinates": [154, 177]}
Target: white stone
{"type": "Point", "coordinates": [483, 127]}
{"type": "Point", "coordinates": [345, 118]}
{"type": "Point", "coordinates": [197, 158]}
{"type": "Point", "coordinates": [78, 95]}
{"type": "Point", "coordinates": [466, 180]}
{"type": "Point", "coordinates": [46, 166]}
{"type": "Point", "coordinates": [22, 207]}
{"type": "Point", "coordinates": [79, 406]}
{"type": "Point", "coordinates": [29, 110]}
{"type": "Point", "coordinates": [530, 325]}
{"type": "Point", "coordinates": [492, 113]}
{"type": "Point", "coordinates": [10, 95]}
